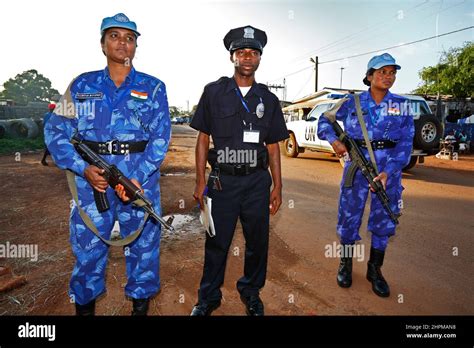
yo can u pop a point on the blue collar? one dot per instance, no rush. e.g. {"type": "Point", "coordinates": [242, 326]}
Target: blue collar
{"type": "Point", "coordinates": [387, 97]}
{"type": "Point", "coordinates": [128, 80]}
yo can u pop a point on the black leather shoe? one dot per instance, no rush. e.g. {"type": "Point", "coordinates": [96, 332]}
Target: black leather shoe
{"type": "Point", "coordinates": [254, 305]}
{"type": "Point", "coordinates": [86, 310]}
{"type": "Point", "coordinates": [374, 273]}
{"type": "Point", "coordinates": [140, 306]}
{"type": "Point", "coordinates": [204, 309]}
{"type": "Point", "coordinates": [344, 274]}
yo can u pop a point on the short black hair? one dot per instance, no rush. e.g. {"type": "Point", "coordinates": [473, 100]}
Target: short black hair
{"type": "Point", "coordinates": [370, 72]}
{"type": "Point", "coordinates": [102, 41]}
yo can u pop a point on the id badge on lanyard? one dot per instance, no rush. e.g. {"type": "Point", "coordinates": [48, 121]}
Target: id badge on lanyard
{"type": "Point", "coordinates": [250, 135]}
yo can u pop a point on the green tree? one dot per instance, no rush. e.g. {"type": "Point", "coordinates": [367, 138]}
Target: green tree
{"type": "Point", "coordinates": [27, 87]}
{"type": "Point", "coordinates": [454, 75]}
{"type": "Point", "coordinates": [174, 111]}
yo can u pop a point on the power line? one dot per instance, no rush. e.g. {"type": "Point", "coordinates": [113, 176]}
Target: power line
{"type": "Point", "coordinates": [345, 38]}
{"type": "Point", "coordinates": [304, 85]}
{"type": "Point", "coordinates": [387, 28]}
{"type": "Point", "coordinates": [382, 49]}
{"type": "Point", "coordinates": [293, 73]}
{"type": "Point", "coordinates": [397, 46]}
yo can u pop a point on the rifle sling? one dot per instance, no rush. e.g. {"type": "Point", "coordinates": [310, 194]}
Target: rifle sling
{"type": "Point", "coordinates": [364, 131]}
{"type": "Point", "coordinates": [71, 180]}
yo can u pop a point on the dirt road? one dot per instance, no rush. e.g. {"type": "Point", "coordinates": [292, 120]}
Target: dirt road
{"type": "Point", "coordinates": [428, 264]}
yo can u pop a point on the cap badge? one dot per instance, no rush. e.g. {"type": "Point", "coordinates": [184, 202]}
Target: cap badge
{"type": "Point", "coordinates": [248, 33]}
{"type": "Point", "coordinates": [121, 18]}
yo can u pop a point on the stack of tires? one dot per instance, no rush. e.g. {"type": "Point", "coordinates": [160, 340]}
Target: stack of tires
{"type": "Point", "coordinates": [19, 128]}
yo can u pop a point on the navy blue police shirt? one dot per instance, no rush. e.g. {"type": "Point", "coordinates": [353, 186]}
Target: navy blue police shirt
{"type": "Point", "coordinates": [221, 113]}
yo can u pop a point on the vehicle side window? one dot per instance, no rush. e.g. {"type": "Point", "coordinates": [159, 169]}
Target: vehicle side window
{"type": "Point", "coordinates": [318, 111]}
{"type": "Point", "coordinates": [418, 108]}
{"type": "Point", "coordinates": [425, 109]}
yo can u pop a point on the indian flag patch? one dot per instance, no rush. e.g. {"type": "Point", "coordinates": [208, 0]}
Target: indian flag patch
{"type": "Point", "coordinates": [393, 112]}
{"type": "Point", "coordinates": [139, 95]}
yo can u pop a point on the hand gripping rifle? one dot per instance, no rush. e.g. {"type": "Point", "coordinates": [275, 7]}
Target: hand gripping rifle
{"type": "Point", "coordinates": [358, 161]}
{"type": "Point", "coordinates": [114, 176]}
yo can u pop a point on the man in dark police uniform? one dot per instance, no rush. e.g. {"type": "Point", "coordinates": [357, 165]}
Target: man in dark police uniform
{"type": "Point", "coordinates": [246, 123]}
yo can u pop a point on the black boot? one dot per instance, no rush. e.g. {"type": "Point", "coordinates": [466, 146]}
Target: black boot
{"type": "Point", "coordinates": [204, 309]}
{"type": "Point", "coordinates": [344, 274]}
{"type": "Point", "coordinates": [140, 306]}
{"type": "Point", "coordinates": [374, 273]}
{"type": "Point", "coordinates": [86, 310]}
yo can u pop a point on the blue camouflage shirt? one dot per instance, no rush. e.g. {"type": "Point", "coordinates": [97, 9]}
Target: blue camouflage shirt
{"type": "Point", "coordinates": [46, 117]}
{"type": "Point", "coordinates": [390, 120]}
{"type": "Point", "coordinates": [100, 111]}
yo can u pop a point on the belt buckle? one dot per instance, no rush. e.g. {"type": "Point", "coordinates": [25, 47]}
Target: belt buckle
{"type": "Point", "coordinates": [110, 145]}
{"type": "Point", "coordinates": [238, 169]}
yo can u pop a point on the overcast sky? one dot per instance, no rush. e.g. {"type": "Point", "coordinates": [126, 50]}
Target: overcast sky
{"type": "Point", "coordinates": [181, 41]}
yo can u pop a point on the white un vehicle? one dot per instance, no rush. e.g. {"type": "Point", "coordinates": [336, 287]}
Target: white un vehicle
{"type": "Point", "coordinates": [303, 115]}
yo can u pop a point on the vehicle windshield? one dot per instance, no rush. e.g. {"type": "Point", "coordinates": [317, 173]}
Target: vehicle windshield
{"type": "Point", "coordinates": [419, 107]}
{"type": "Point", "coordinates": [318, 110]}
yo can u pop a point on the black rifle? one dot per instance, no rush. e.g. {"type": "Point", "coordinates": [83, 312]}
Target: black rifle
{"type": "Point", "coordinates": [114, 177]}
{"type": "Point", "coordinates": [358, 161]}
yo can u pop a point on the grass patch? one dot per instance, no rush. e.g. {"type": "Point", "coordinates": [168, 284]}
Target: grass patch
{"type": "Point", "coordinates": [9, 145]}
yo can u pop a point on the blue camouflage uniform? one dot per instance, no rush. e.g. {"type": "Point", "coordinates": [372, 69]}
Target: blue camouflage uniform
{"type": "Point", "coordinates": [46, 117]}
{"type": "Point", "coordinates": [135, 111]}
{"type": "Point", "coordinates": [390, 120]}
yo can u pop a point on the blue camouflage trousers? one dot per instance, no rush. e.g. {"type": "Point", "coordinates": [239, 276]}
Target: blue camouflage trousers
{"type": "Point", "coordinates": [142, 255]}
{"type": "Point", "coordinates": [351, 209]}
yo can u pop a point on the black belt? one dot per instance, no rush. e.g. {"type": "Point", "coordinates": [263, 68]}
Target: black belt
{"type": "Point", "coordinates": [240, 169]}
{"type": "Point", "coordinates": [115, 147]}
{"type": "Point", "coordinates": [377, 144]}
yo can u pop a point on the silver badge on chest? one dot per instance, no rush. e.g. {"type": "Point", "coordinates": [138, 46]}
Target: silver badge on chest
{"type": "Point", "coordinates": [260, 111]}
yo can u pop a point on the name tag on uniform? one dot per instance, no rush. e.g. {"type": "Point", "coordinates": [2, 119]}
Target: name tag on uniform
{"type": "Point", "coordinates": [82, 96]}
{"type": "Point", "coordinates": [251, 136]}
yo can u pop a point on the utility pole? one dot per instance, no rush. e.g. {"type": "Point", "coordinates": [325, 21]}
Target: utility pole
{"type": "Point", "coordinates": [316, 63]}
{"type": "Point", "coordinates": [277, 87]}
{"type": "Point", "coordinates": [340, 84]}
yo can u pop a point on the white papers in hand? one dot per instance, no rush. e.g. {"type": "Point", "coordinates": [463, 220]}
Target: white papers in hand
{"type": "Point", "coordinates": [206, 217]}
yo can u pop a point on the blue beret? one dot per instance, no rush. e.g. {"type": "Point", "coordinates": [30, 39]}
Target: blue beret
{"type": "Point", "coordinates": [118, 21]}
{"type": "Point", "coordinates": [382, 60]}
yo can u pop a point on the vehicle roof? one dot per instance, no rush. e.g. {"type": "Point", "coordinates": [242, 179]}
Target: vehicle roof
{"type": "Point", "coordinates": [321, 97]}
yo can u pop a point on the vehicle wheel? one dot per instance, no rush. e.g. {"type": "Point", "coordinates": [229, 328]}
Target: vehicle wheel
{"type": "Point", "coordinates": [291, 147]}
{"type": "Point", "coordinates": [411, 164]}
{"type": "Point", "coordinates": [427, 132]}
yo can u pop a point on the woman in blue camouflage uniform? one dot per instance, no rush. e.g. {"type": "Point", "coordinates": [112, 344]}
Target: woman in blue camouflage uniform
{"type": "Point", "coordinates": [390, 129]}
{"type": "Point", "coordinates": [123, 115]}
